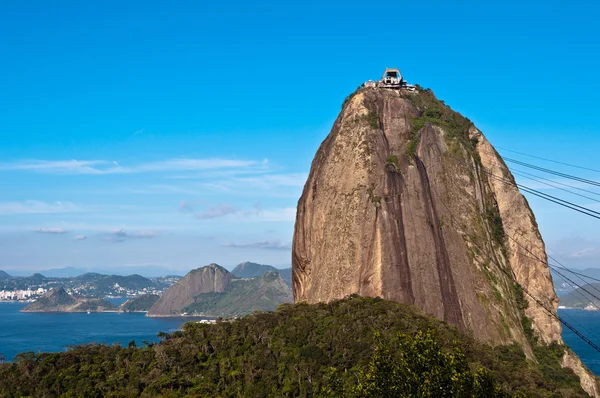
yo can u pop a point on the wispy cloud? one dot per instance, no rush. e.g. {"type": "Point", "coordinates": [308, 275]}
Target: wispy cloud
{"type": "Point", "coordinates": [104, 167]}
{"type": "Point", "coordinates": [254, 214]}
{"type": "Point", "coordinates": [56, 231]}
{"type": "Point", "coordinates": [265, 244]}
{"type": "Point", "coordinates": [37, 207]}
{"type": "Point", "coordinates": [121, 234]}
{"type": "Point", "coordinates": [186, 207]}
{"type": "Point", "coordinates": [80, 237]}
{"type": "Point", "coordinates": [216, 211]}
{"type": "Point", "coordinates": [270, 181]}
{"type": "Point", "coordinates": [588, 252]}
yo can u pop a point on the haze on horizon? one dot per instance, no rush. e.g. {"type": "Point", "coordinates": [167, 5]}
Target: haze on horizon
{"type": "Point", "coordinates": [151, 136]}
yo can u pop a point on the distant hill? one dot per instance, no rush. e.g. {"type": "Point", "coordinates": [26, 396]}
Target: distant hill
{"type": "Point", "coordinates": [139, 304]}
{"type": "Point", "coordinates": [58, 300]}
{"type": "Point", "coordinates": [251, 270]}
{"type": "Point", "coordinates": [210, 279]}
{"type": "Point", "coordinates": [286, 274]}
{"type": "Point", "coordinates": [67, 272]}
{"type": "Point", "coordinates": [244, 297]}
{"type": "Point", "coordinates": [563, 286]}
{"type": "Point", "coordinates": [579, 298]}
{"type": "Point", "coordinates": [106, 284]}
{"type": "Point", "coordinates": [214, 291]}
{"type": "Point", "coordinates": [4, 275]}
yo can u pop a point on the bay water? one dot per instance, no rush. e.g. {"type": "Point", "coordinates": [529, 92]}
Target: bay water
{"type": "Point", "coordinates": [44, 332]}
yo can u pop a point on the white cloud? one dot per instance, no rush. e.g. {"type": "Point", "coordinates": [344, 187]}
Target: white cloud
{"type": "Point", "coordinates": [103, 167]}
{"type": "Point", "coordinates": [186, 207]}
{"type": "Point", "coordinates": [254, 214]}
{"type": "Point", "coordinates": [37, 207]}
{"type": "Point", "coordinates": [57, 231]}
{"type": "Point", "coordinates": [120, 235]}
{"type": "Point", "coordinates": [216, 211]}
{"type": "Point", "coordinates": [270, 181]}
{"type": "Point", "coordinates": [265, 244]}
{"type": "Point", "coordinates": [80, 237]}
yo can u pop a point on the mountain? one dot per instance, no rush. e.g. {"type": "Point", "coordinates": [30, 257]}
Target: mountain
{"type": "Point", "coordinates": [102, 285]}
{"type": "Point", "coordinates": [210, 279]}
{"type": "Point", "coordinates": [580, 298]}
{"type": "Point", "coordinates": [4, 275]}
{"type": "Point", "coordinates": [286, 274]}
{"type": "Point", "coordinates": [214, 291]}
{"type": "Point", "coordinates": [67, 272]}
{"type": "Point", "coordinates": [582, 276]}
{"type": "Point", "coordinates": [407, 200]}
{"type": "Point", "coordinates": [251, 270]}
{"type": "Point", "coordinates": [58, 300]}
{"type": "Point", "coordinates": [242, 297]}
{"type": "Point", "coordinates": [139, 304]}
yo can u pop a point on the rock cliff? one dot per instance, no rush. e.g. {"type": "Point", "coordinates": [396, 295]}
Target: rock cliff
{"type": "Point", "coordinates": [244, 296]}
{"type": "Point", "coordinates": [213, 291]}
{"type": "Point", "coordinates": [210, 279]}
{"type": "Point", "coordinates": [408, 201]}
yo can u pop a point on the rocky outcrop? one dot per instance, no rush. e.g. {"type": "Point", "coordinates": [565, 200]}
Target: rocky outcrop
{"type": "Point", "coordinates": [244, 296]}
{"type": "Point", "coordinates": [58, 300]}
{"type": "Point", "coordinates": [403, 202]}
{"type": "Point", "coordinates": [210, 279]}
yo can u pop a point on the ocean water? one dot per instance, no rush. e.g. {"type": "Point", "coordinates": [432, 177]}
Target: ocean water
{"type": "Point", "coordinates": [38, 332]}
{"type": "Point", "coordinates": [587, 323]}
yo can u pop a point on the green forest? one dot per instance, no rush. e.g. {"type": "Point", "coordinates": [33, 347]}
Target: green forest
{"type": "Point", "coordinates": [355, 347]}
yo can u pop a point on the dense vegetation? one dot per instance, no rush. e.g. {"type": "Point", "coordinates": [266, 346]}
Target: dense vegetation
{"type": "Point", "coordinates": [353, 347]}
{"type": "Point", "coordinates": [141, 303]}
{"type": "Point", "coordinates": [436, 112]}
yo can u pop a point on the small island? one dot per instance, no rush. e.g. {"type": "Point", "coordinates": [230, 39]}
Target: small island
{"type": "Point", "coordinates": [58, 300]}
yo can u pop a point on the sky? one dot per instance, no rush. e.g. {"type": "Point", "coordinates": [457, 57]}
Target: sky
{"type": "Point", "coordinates": [170, 135]}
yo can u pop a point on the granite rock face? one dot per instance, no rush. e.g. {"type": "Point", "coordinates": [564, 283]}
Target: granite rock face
{"type": "Point", "coordinates": [407, 200]}
{"type": "Point", "coordinates": [210, 279]}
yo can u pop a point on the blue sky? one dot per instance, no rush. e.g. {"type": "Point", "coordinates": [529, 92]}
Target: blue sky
{"type": "Point", "coordinates": [162, 134]}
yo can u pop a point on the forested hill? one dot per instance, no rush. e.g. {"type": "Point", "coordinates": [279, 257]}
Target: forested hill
{"type": "Point", "coordinates": [364, 347]}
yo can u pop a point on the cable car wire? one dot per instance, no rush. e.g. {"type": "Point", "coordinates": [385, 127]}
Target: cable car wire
{"type": "Point", "coordinates": [555, 182]}
{"type": "Point", "coordinates": [545, 170]}
{"type": "Point", "coordinates": [554, 186]}
{"type": "Point", "coordinates": [549, 160]}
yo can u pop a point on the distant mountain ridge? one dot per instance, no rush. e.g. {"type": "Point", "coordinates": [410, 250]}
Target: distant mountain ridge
{"type": "Point", "coordinates": [578, 298]}
{"type": "Point", "coordinates": [210, 279]}
{"type": "Point", "coordinates": [214, 291]}
{"type": "Point", "coordinates": [249, 269]}
{"type": "Point", "coordinates": [244, 297]}
{"type": "Point", "coordinates": [4, 275]}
